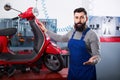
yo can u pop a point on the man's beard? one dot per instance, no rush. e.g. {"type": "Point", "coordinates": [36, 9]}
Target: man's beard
{"type": "Point", "coordinates": [79, 26]}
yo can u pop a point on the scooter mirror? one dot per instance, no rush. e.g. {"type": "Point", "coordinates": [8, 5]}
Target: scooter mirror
{"type": "Point", "coordinates": [7, 7]}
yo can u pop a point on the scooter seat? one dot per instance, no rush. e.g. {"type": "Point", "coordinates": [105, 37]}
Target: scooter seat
{"type": "Point", "coordinates": [8, 31]}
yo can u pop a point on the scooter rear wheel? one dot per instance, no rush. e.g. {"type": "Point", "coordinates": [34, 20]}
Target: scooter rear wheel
{"type": "Point", "coordinates": [53, 62]}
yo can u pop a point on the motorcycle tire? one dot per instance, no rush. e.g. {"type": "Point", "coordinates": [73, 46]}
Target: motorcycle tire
{"type": "Point", "coordinates": [54, 62]}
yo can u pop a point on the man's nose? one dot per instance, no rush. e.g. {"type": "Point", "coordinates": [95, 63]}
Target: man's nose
{"type": "Point", "coordinates": [79, 21]}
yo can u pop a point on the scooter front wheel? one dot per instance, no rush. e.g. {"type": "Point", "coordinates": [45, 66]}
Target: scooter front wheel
{"type": "Point", "coordinates": [54, 62]}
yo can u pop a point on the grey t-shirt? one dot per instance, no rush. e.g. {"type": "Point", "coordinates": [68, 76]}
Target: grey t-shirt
{"type": "Point", "coordinates": [91, 39]}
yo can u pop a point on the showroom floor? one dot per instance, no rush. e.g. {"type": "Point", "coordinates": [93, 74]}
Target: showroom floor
{"type": "Point", "coordinates": [43, 75]}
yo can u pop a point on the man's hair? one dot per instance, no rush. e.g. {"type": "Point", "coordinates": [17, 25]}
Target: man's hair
{"type": "Point", "coordinates": [80, 10]}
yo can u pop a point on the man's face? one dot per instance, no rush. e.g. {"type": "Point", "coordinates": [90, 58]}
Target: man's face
{"type": "Point", "coordinates": [80, 20]}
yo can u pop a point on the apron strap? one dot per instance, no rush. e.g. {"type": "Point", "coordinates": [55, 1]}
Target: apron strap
{"type": "Point", "coordinates": [84, 33]}
{"type": "Point", "coordinates": [73, 34]}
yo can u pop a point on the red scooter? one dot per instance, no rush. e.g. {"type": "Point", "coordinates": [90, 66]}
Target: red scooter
{"type": "Point", "coordinates": [44, 50]}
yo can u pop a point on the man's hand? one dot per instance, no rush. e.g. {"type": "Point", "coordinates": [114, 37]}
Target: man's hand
{"type": "Point", "coordinates": [91, 61]}
{"type": "Point", "coordinates": [42, 26]}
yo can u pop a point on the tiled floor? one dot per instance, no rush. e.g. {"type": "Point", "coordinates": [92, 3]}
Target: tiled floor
{"type": "Point", "coordinates": [43, 75]}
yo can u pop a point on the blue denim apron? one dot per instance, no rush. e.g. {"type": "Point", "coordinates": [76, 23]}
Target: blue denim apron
{"type": "Point", "coordinates": [78, 55]}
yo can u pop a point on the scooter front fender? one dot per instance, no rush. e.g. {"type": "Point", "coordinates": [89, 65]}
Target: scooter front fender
{"type": "Point", "coordinates": [53, 49]}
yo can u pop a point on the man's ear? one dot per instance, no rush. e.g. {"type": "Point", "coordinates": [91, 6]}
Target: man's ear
{"type": "Point", "coordinates": [86, 18]}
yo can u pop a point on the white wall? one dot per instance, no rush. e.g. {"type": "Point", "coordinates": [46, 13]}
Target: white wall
{"type": "Point", "coordinates": [62, 10]}
{"type": "Point", "coordinates": [106, 7]}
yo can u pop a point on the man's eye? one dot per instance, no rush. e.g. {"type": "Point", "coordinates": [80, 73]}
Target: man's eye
{"type": "Point", "coordinates": [82, 17]}
{"type": "Point", "coordinates": [76, 17]}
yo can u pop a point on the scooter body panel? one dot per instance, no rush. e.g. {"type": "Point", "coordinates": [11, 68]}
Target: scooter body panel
{"type": "Point", "coordinates": [53, 49]}
{"type": "Point", "coordinates": [42, 46]}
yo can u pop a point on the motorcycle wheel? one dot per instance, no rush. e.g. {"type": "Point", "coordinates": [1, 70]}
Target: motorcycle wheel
{"type": "Point", "coordinates": [53, 62]}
